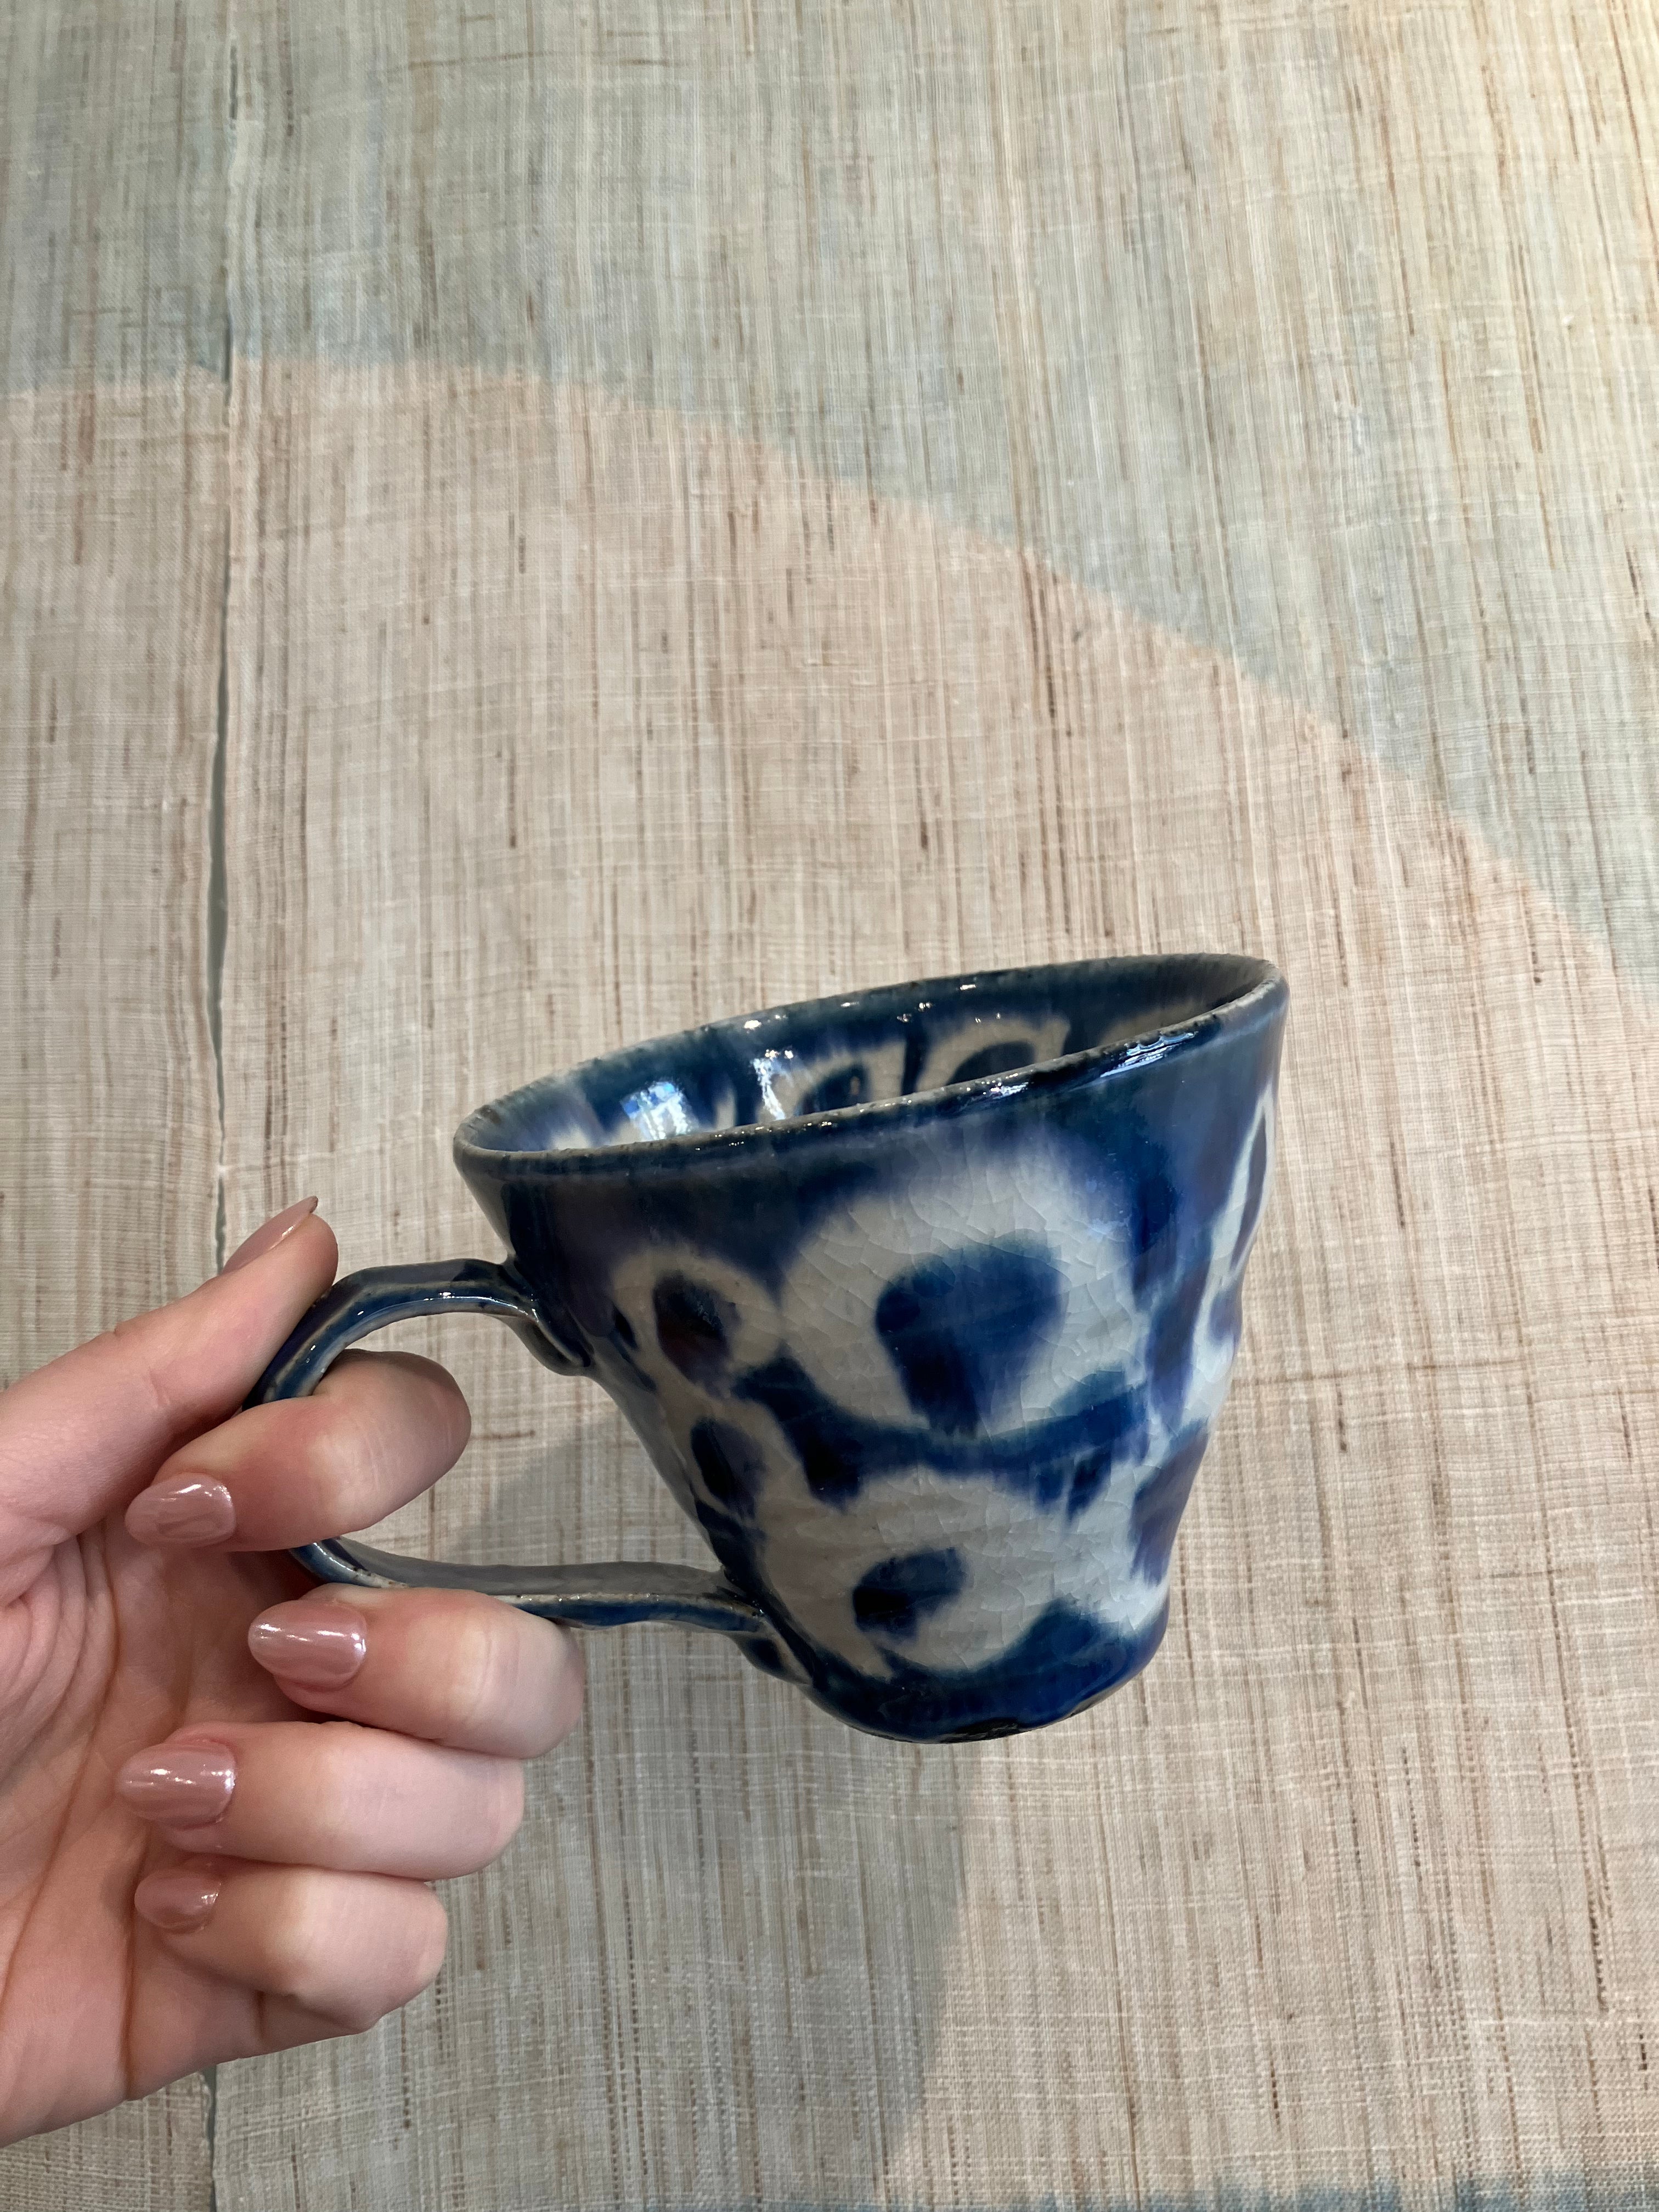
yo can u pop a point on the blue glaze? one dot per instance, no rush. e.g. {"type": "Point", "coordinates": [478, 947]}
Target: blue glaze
{"type": "Point", "coordinates": [923, 1301]}
{"type": "Point", "coordinates": [962, 1327]}
{"type": "Point", "coordinates": [896, 1594]}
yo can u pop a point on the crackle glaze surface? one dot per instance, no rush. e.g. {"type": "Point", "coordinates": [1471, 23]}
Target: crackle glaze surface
{"type": "Point", "coordinates": [923, 1303]}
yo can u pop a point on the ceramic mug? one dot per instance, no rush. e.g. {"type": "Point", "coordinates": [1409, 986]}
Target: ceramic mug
{"type": "Point", "coordinates": [923, 1302]}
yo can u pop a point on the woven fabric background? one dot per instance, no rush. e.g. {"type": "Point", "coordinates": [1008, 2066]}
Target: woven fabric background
{"type": "Point", "coordinates": [526, 526]}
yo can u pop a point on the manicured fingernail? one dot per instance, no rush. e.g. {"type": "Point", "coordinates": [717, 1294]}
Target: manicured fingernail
{"type": "Point", "coordinates": [319, 1647]}
{"type": "Point", "coordinates": [268, 1238]}
{"type": "Point", "coordinates": [182, 1509]}
{"type": "Point", "coordinates": [177, 1898]}
{"type": "Point", "coordinates": [183, 1786]}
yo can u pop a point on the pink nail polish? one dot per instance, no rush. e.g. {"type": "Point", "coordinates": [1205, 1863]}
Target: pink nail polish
{"type": "Point", "coordinates": [270, 1234]}
{"type": "Point", "coordinates": [317, 1647]}
{"type": "Point", "coordinates": [184, 1786]}
{"type": "Point", "coordinates": [182, 1509]}
{"type": "Point", "coordinates": [177, 1899]}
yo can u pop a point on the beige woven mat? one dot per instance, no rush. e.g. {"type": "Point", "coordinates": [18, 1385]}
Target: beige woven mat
{"type": "Point", "coordinates": [695, 506]}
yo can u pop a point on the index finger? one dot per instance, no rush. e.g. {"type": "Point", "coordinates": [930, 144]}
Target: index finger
{"type": "Point", "coordinates": [380, 1428]}
{"type": "Point", "coordinates": [78, 1436]}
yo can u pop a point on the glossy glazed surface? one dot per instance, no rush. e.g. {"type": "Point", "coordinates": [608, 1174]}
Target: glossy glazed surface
{"type": "Point", "coordinates": [873, 1047]}
{"type": "Point", "coordinates": [932, 1367]}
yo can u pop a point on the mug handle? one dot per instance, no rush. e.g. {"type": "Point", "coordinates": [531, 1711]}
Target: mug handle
{"type": "Point", "coordinates": [609, 1597]}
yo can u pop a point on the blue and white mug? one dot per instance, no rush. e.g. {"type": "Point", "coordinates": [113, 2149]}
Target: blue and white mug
{"type": "Point", "coordinates": [923, 1302]}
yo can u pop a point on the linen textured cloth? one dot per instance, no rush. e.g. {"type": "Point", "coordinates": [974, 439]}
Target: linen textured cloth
{"type": "Point", "coordinates": [526, 526]}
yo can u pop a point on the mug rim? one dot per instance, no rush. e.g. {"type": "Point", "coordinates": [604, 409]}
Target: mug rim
{"type": "Point", "coordinates": [1262, 991]}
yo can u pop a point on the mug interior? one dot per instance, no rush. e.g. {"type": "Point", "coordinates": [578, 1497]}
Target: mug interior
{"type": "Point", "coordinates": [850, 1056]}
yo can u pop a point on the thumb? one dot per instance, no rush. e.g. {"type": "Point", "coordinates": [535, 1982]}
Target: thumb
{"type": "Point", "coordinates": [82, 1436]}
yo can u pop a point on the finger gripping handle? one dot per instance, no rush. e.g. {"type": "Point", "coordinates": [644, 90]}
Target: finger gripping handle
{"type": "Point", "coordinates": [603, 1596]}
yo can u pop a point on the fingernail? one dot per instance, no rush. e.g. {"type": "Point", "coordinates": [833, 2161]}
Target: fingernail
{"type": "Point", "coordinates": [185, 1786]}
{"type": "Point", "coordinates": [177, 1898]}
{"type": "Point", "coordinates": [182, 1509]}
{"type": "Point", "coordinates": [268, 1238]}
{"type": "Point", "coordinates": [318, 1647]}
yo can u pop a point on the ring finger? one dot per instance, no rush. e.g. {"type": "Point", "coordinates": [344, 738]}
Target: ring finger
{"type": "Point", "coordinates": [327, 1795]}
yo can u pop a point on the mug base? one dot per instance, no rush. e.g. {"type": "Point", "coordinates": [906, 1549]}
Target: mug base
{"type": "Point", "coordinates": [1066, 1663]}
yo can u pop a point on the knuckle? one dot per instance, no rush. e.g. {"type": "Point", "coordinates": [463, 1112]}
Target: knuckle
{"type": "Point", "coordinates": [508, 1685]}
{"type": "Point", "coordinates": [443, 1405]}
{"type": "Point", "coordinates": [356, 2009]}
{"type": "Point", "coordinates": [409, 1958]}
{"type": "Point", "coordinates": [160, 1367]}
{"type": "Point", "coordinates": [479, 1674]}
{"type": "Point", "coordinates": [557, 1704]}
{"type": "Point", "coordinates": [503, 1806]}
{"type": "Point", "coordinates": [399, 1948]}
{"type": "Point", "coordinates": [342, 1452]}
{"type": "Point", "coordinates": [336, 1811]}
{"type": "Point", "coordinates": [367, 1422]}
{"type": "Point", "coordinates": [297, 1939]}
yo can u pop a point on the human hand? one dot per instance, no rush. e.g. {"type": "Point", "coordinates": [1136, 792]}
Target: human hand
{"type": "Point", "coordinates": [223, 1790]}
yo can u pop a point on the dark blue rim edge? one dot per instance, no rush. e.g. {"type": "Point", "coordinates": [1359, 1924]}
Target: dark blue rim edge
{"type": "Point", "coordinates": [1268, 994]}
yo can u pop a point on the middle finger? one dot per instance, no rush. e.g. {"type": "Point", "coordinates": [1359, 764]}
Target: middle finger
{"type": "Point", "coordinates": [451, 1666]}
